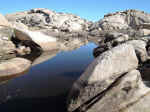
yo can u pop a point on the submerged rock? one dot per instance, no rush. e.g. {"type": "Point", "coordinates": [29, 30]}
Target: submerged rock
{"type": "Point", "coordinates": [100, 74]}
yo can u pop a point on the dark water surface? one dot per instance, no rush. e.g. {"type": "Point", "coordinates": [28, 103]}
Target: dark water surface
{"type": "Point", "coordinates": [46, 86]}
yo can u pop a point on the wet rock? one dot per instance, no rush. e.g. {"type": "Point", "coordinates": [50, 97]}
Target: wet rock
{"type": "Point", "coordinates": [101, 73]}
{"type": "Point", "coordinates": [124, 95]}
{"type": "Point", "coordinates": [13, 68]}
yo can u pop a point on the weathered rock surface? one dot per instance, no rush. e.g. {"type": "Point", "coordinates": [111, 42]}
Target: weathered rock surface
{"type": "Point", "coordinates": [13, 68]}
{"type": "Point", "coordinates": [43, 18]}
{"type": "Point", "coordinates": [114, 38]}
{"type": "Point", "coordinates": [101, 73]}
{"type": "Point", "coordinates": [123, 20]}
{"type": "Point", "coordinates": [125, 92]}
{"type": "Point", "coordinates": [110, 40]}
{"type": "Point", "coordinates": [7, 47]}
{"type": "Point", "coordinates": [146, 32]}
{"type": "Point", "coordinates": [4, 21]}
{"type": "Point", "coordinates": [142, 105]}
{"type": "Point", "coordinates": [140, 49]}
{"type": "Point", "coordinates": [44, 41]}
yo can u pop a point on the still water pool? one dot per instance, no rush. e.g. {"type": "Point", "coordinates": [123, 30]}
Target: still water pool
{"type": "Point", "coordinates": [46, 86]}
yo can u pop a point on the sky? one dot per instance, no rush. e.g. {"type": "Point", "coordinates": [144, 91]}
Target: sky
{"type": "Point", "coordinates": [92, 10]}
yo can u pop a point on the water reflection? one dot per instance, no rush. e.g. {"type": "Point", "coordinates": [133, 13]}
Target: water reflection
{"type": "Point", "coordinates": [45, 56]}
{"type": "Point", "coordinates": [46, 83]}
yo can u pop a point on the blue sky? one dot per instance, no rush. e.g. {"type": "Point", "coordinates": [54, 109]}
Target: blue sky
{"type": "Point", "coordinates": [88, 9]}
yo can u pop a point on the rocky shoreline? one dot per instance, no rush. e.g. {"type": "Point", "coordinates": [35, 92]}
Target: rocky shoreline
{"type": "Point", "coordinates": [113, 82]}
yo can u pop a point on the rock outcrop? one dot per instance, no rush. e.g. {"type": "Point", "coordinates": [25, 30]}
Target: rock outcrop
{"type": "Point", "coordinates": [7, 47]}
{"type": "Point", "coordinates": [4, 21]}
{"type": "Point", "coordinates": [13, 67]}
{"type": "Point", "coordinates": [125, 92]}
{"type": "Point", "coordinates": [108, 85]}
{"type": "Point", "coordinates": [100, 74]}
{"type": "Point", "coordinates": [43, 18]}
{"type": "Point", "coordinates": [131, 22]}
{"type": "Point", "coordinates": [140, 49]}
{"type": "Point", "coordinates": [44, 41]}
{"type": "Point", "coordinates": [112, 82]}
{"type": "Point", "coordinates": [123, 20]}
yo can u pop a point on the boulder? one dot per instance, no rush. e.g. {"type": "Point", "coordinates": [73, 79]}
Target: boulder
{"type": "Point", "coordinates": [116, 37]}
{"type": "Point", "coordinates": [101, 73]}
{"type": "Point", "coordinates": [4, 21]}
{"type": "Point", "coordinates": [145, 26]}
{"type": "Point", "coordinates": [99, 50]}
{"type": "Point", "coordinates": [41, 18]}
{"type": "Point", "coordinates": [111, 39]}
{"type": "Point", "coordinates": [124, 20]}
{"type": "Point", "coordinates": [44, 41]}
{"type": "Point", "coordinates": [113, 22]}
{"type": "Point", "coordinates": [18, 25]}
{"type": "Point", "coordinates": [146, 32]}
{"type": "Point", "coordinates": [7, 47]}
{"type": "Point", "coordinates": [13, 67]}
{"type": "Point", "coordinates": [141, 106]}
{"type": "Point", "coordinates": [140, 49]}
{"type": "Point", "coordinates": [123, 96]}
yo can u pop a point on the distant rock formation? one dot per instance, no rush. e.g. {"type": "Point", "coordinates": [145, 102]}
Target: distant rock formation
{"type": "Point", "coordinates": [43, 18]}
{"type": "Point", "coordinates": [131, 22]}
{"type": "Point", "coordinates": [123, 20]}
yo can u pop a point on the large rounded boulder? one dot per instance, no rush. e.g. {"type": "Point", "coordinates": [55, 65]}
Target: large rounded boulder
{"type": "Point", "coordinates": [101, 73]}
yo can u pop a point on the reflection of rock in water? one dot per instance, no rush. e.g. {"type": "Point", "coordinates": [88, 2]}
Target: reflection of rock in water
{"type": "Point", "coordinates": [68, 44]}
{"type": "Point", "coordinates": [45, 56]}
{"type": "Point", "coordinates": [37, 56]}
